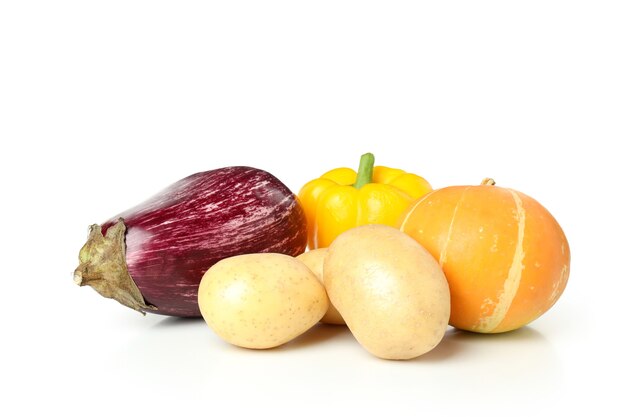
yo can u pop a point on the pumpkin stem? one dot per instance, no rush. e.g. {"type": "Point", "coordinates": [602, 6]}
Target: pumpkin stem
{"type": "Point", "coordinates": [488, 181]}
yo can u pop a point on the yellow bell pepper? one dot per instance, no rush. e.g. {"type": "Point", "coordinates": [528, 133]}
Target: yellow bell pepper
{"type": "Point", "coordinates": [342, 199]}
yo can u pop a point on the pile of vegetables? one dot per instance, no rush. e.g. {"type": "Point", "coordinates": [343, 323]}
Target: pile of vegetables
{"type": "Point", "coordinates": [391, 258]}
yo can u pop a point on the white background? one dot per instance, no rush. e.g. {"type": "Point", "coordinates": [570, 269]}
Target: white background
{"type": "Point", "coordinates": [104, 103]}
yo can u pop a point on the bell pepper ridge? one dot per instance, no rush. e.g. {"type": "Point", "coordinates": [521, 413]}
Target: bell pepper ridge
{"type": "Point", "coordinates": [341, 199]}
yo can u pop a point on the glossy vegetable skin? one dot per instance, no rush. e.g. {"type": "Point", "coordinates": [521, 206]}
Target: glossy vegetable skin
{"type": "Point", "coordinates": [342, 199]}
{"type": "Point", "coordinates": [505, 256]}
{"type": "Point", "coordinates": [153, 256]}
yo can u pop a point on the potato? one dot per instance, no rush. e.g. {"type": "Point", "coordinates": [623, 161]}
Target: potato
{"type": "Point", "coordinates": [314, 259]}
{"type": "Point", "coordinates": [261, 300]}
{"type": "Point", "coordinates": [391, 292]}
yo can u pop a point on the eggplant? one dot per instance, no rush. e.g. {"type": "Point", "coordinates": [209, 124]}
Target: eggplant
{"type": "Point", "coordinates": [152, 257]}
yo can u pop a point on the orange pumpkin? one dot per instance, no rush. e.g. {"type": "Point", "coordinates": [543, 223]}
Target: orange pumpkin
{"type": "Point", "coordinates": [506, 258]}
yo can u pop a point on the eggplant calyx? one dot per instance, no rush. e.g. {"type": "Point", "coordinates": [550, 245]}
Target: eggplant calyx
{"type": "Point", "coordinates": [103, 267]}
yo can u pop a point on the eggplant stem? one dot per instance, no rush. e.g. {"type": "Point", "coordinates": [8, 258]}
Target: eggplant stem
{"type": "Point", "coordinates": [103, 267]}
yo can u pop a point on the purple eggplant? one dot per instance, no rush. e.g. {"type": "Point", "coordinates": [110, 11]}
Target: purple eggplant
{"type": "Point", "coordinates": [153, 256]}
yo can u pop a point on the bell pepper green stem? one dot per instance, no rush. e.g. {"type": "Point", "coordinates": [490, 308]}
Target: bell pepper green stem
{"type": "Point", "coordinates": [366, 170]}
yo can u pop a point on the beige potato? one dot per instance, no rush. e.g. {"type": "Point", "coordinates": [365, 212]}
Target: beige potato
{"type": "Point", "coordinates": [314, 259]}
{"type": "Point", "coordinates": [391, 292]}
{"type": "Point", "coordinates": [261, 300]}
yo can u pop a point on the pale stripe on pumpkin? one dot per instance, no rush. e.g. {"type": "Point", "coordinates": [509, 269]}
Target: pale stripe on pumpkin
{"type": "Point", "coordinates": [511, 284]}
{"type": "Point", "coordinates": [410, 213]}
{"type": "Point", "coordinates": [558, 286]}
{"type": "Point", "coordinates": [444, 249]}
